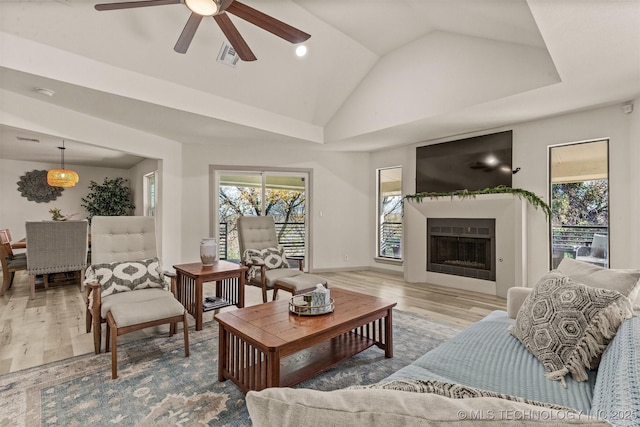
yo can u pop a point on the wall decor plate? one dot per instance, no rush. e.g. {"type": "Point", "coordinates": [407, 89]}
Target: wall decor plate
{"type": "Point", "coordinates": [33, 185]}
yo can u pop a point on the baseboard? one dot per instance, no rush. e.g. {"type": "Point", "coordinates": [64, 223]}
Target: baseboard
{"type": "Point", "coordinates": [362, 268]}
{"type": "Point", "coordinates": [331, 270]}
{"type": "Point", "coordinates": [390, 261]}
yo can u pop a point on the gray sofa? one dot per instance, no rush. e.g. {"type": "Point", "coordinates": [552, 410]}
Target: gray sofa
{"type": "Point", "coordinates": [485, 357]}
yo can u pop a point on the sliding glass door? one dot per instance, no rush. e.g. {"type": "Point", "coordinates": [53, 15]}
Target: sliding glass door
{"type": "Point", "coordinates": [282, 195]}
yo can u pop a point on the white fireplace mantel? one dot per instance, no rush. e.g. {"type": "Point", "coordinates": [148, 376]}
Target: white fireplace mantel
{"type": "Point", "coordinates": [508, 210]}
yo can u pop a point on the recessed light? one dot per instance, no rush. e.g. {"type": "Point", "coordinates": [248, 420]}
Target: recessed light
{"type": "Point", "coordinates": [301, 51]}
{"type": "Point", "coordinates": [44, 91]}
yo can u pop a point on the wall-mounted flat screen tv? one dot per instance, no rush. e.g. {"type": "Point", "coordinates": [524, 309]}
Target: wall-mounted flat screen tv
{"type": "Point", "coordinates": [472, 163]}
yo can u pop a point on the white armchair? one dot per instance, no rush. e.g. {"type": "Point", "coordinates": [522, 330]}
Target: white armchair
{"type": "Point", "coordinates": [125, 284]}
{"type": "Point", "coordinates": [268, 266]}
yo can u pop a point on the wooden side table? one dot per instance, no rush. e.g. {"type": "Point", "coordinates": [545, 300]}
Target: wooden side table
{"type": "Point", "coordinates": [229, 278]}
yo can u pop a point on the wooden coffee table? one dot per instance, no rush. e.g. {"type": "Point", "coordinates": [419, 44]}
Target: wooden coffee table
{"type": "Point", "coordinates": [267, 346]}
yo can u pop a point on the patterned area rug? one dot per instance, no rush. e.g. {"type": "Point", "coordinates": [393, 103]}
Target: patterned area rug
{"type": "Point", "coordinates": [157, 385]}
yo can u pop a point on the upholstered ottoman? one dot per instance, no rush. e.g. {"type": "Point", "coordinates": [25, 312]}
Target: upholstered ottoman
{"type": "Point", "coordinates": [125, 318]}
{"type": "Point", "coordinates": [299, 284]}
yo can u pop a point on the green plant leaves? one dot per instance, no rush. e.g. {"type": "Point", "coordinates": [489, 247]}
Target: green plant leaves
{"type": "Point", "coordinates": [112, 198]}
{"type": "Point", "coordinates": [530, 197]}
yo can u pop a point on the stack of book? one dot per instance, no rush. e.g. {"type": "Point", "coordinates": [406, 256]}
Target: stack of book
{"type": "Point", "coordinates": [212, 303]}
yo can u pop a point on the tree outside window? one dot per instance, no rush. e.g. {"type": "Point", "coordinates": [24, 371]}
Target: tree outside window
{"type": "Point", "coordinates": [390, 213]}
{"type": "Point", "coordinates": [579, 187]}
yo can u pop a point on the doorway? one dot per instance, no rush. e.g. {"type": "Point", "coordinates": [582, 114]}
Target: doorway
{"type": "Point", "coordinates": [281, 194]}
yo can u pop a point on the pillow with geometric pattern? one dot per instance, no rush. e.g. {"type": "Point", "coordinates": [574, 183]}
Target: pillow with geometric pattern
{"type": "Point", "coordinates": [272, 258]}
{"type": "Point", "coordinates": [126, 276]}
{"type": "Point", "coordinates": [567, 325]}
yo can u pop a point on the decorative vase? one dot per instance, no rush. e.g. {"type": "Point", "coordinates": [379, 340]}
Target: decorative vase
{"type": "Point", "coordinates": [208, 251]}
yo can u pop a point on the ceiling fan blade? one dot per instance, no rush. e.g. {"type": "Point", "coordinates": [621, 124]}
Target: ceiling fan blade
{"type": "Point", "coordinates": [268, 23]}
{"type": "Point", "coordinates": [187, 34]}
{"type": "Point", "coordinates": [132, 4]}
{"type": "Point", "coordinates": [235, 39]}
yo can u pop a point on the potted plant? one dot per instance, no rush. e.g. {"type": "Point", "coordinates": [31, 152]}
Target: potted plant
{"type": "Point", "coordinates": [56, 215]}
{"type": "Point", "coordinates": [112, 198]}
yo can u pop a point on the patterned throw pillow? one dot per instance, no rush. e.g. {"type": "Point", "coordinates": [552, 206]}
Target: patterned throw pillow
{"type": "Point", "coordinates": [452, 391]}
{"type": "Point", "coordinates": [567, 325]}
{"type": "Point", "coordinates": [272, 258]}
{"type": "Point", "coordinates": [126, 276]}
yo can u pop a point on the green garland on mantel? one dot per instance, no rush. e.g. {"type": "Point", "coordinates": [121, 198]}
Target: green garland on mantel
{"type": "Point", "coordinates": [530, 197]}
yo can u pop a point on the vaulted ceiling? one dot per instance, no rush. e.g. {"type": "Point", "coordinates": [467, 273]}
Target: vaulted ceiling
{"type": "Point", "coordinates": [378, 74]}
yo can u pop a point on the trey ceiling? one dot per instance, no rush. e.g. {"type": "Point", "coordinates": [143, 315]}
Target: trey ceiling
{"type": "Point", "coordinates": [379, 73]}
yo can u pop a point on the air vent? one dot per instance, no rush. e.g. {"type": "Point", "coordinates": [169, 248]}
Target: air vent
{"type": "Point", "coordinates": [24, 139]}
{"type": "Point", "coordinates": [228, 55]}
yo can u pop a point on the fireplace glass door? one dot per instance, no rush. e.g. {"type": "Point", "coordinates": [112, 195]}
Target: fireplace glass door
{"type": "Point", "coordinates": [464, 252]}
{"type": "Point", "coordinates": [462, 247]}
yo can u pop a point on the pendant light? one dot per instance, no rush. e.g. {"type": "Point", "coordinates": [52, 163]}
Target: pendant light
{"type": "Point", "coordinates": [62, 177]}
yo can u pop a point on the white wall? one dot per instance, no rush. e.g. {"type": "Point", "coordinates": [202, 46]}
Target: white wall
{"type": "Point", "coordinates": [530, 154]}
{"type": "Point", "coordinates": [341, 190]}
{"type": "Point", "coordinates": [16, 209]}
{"type": "Point", "coordinates": [633, 161]}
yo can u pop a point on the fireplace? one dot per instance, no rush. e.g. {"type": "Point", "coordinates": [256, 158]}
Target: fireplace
{"type": "Point", "coordinates": [462, 247]}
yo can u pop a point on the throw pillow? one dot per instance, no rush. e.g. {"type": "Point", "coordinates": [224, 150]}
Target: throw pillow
{"type": "Point", "coordinates": [126, 276]}
{"type": "Point", "coordinates": [281, 406]}
{"type": "Point", "coordinates": [452, 391]}
{"type": "Point", "coordinates": [567, 325]}
{"type": "Point", "coordinates": [624, 281]}
{"type": "Point", "coordinates": [272, 258]}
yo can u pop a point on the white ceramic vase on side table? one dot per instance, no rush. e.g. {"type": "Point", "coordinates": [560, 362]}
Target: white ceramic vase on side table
{"type": "Point", "coordinates": [208, 251]}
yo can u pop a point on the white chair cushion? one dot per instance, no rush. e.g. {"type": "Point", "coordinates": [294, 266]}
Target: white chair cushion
{"type": "Point", "coordinates": [277, 274]}
{"type": "Point", "coordinates": [131, 297]}
{"type": "Point", "coordinates": [302, 282]}
{"type": "Point", "coordinates": [136, 313]}
{"type": "Point", "coordinates": [117, 238]}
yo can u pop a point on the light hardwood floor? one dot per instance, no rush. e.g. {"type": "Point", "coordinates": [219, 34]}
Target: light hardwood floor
{"type": "Point", "coordinates": [52, 326]}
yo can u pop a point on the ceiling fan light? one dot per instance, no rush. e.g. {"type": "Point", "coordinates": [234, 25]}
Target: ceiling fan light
{"type": "Point", "coordinates": [203, 7]}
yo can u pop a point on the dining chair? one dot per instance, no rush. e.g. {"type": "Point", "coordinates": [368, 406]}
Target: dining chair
{"type": "Point", "coordinates": [10, 262]}
{"type": "Point", "coordinates": [267, 262]}
{"type": "Point", "coordinates": [5, 239]}
{"type": "Point", "coordinates": [126, 286]}
{"type": "Point", "coordinates": [56, 247]}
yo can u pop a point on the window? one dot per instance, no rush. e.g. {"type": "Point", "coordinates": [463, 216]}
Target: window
{"type": "Point", "coordinates": [150, 191]}
{"type": "Point", "coordinates": [279, 193]}
{"type": "Point", "coordinates": [389, 223]}
{"type": "Point", "coordinates": [579, 187]}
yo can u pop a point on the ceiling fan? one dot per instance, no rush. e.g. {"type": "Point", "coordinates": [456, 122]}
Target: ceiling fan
{"type": "Point", "coordinates": [218, 10]}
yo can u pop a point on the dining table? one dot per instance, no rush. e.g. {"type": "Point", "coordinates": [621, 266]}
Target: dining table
{"type": "Point", "coordinates": [22, 243]}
